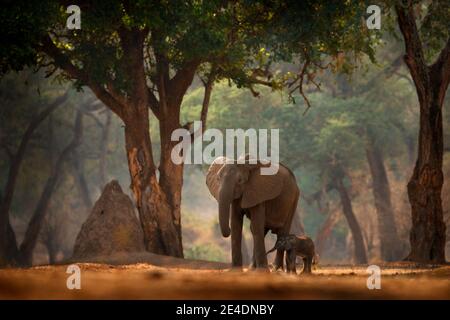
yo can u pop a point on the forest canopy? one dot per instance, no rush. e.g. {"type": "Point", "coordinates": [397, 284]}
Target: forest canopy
{"type": "Point", "coordinates": [348, 109]}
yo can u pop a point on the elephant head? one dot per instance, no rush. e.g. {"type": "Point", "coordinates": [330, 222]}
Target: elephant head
{"type": "Point", "coordinates": [229, 180]}
{"type": "Point", "coordinates": [283, 243]}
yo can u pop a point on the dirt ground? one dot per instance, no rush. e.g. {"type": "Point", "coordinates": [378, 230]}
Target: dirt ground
{"type": "Point", "coordinates": [182, 279]}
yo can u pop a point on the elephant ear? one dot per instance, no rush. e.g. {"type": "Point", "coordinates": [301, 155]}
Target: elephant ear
{"type": "Point", "coordinates": [260, 188]}
{"type": "Point", "coordinates": [212, 176]}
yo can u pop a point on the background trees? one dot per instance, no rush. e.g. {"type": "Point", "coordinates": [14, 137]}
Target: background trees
{"type": "Point", "coordinates": [429, 42]}
{"type": "Point", "coordinates": [140, 56]}
{"type": "Point", "coordinates": [153, 67]}
{"type": "Point", "coordinates": [334, 137]}
{"type": "Point", "coordinates": [9, 249]}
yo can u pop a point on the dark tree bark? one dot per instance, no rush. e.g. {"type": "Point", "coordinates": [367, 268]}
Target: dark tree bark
{"type": "Point", "coordinates": [358, 240]}
{"type": "Point", "coordinates": [49, 237]}
{"type": "Point", "coordinates": [104, 148]}
{"type": "Point", "coordinates": [82, 185]}
{"type": "Point", "coordinates": [387, 229]}
{"type": "Point", "coordinates": [325, 230]}
{"type": "Point", "coordinates": [427, 235]}
{"type": "Point", "coordinates": [8, 243]}
{"type": "Point", "coordinates": [158, 199]}
{"type": "Point", "coordinates": [34, 226]}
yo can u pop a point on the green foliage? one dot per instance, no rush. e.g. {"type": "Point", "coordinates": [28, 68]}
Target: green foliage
{"type": "Point", "coordinates": [332, 135]}
{"type": "Point", "coordinates": [432, 19]}
{"type": "Point", "coordinates": [236, 39]}
{"type": "Point", "coordinates": [201, 241]}
{"type": "Point", "coordinates": [314, 28]}
{"type": "Point", "coordinates": [23, 96]}
{"type": "Point", "coordinates": [233, 38]}
{"type": "Point", "coordinates": [208, 252]}
{"type": "Point", "coordinates": [23, 23]}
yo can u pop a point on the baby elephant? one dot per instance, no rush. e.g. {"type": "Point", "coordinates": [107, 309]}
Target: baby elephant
{"type": "Point", "coordinates": [295, 246]}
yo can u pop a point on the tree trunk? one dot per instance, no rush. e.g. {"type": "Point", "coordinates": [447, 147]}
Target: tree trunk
{"type": "Point", "coordinates": [34, 226]}
{"type": "Point", "coordinates": [11, 251]}
{"type": "Point", "coordinates": [52, 252]}
{"type": "Point", "coordinates": [158, 200]}
{"type": "Point", "coordinates": [154, 204]}
{"type": "Point", "coordinates": [325, 230]}
{"type": "Point", "coordinates": [49, 235]}
{"type": "Point", "coordinates": [427, 235]}
{"type": "Point", "coordinates": [8, 244]}
{"type": "Point", "coordinates": [104, 148]}
{"type": "Point", "coordinates": [80, 180]}
{"type": "Point", "coordinates": [360, 251]}
{"type": "Point", "coordinates": [51, 246]}
{"type": "Point", "coordinates": [387, 230]}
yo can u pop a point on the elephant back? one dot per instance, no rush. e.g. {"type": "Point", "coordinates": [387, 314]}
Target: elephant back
{"type": "Point", "coordinates": [212, 178]}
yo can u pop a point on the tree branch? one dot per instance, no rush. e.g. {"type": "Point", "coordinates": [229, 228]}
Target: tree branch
{"type": "Point", "coordinates": [299, 87]}
{"type": "Point", "coordinates": [206, 99]}
{"type": "Point", "coordinates": [441, 67]}
{"type": "Point", "coordinates": [208, 84]}
{"type": "Point", "coordinates": [8, 151]}
{"type": "Point", "coordinates": [414, 57]}
{"type": "Point", "coordinates": [162, 74]}
{"type": "Point", "coordinates": [18, 156]}
{"type": "Point", "coordinates": [63, 62]}
{"type": "Point", "coordinates": [34, 226]}
{"type": "Point", "coordinates": [153, 104]}
{"type": "Point", "coordinates": [179, 84]}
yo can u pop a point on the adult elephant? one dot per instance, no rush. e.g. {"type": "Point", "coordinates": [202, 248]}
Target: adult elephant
{"type": "Point", "coordinates": [269, 201]}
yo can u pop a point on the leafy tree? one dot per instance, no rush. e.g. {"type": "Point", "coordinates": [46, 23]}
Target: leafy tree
{"type": "Point", "coordinates": [15, 142]}
{"type": "Point", "coordinates": [142, 56]}
{"type": "Point", "coordinates": [382, 122]}
{"type": "Point", "coordinates": [343, 128]}
{"type": "Point", "coordinates": [336, 149]}
{"type": "Point", "coordinates": [321, 146]}
{"type": "Point", "coordinates": [426, 32]}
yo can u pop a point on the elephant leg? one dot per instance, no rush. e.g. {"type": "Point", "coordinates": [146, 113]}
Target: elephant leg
{"type": "Point", "coordinates": [307, 261]}
{"type": "Point", "coordinates": [253, 263]}
{"type": "Point", "coordinates": [236, 236]}
{"type": "Point", "coordinates": [290, 261]}
{"type": "Point", "coordinates": [304, 265]}
{"type": "Point", "coordinates": [278, 262]}
{"type": "Point", "coordinates": [257, 229]}
{"type": "Point", "coordinates": [294, 259]}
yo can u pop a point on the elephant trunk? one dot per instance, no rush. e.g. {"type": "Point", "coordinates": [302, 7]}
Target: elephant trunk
{"type": "Point", "coordinates": [271, 250]}
{"type": "Point", "coordinates": [225, 199]}
{"type": "Point", "coordinates": [278, 245]}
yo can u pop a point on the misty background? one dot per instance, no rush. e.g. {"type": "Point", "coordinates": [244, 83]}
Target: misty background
{"type": "Point", "coordinates": [374, 110]}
